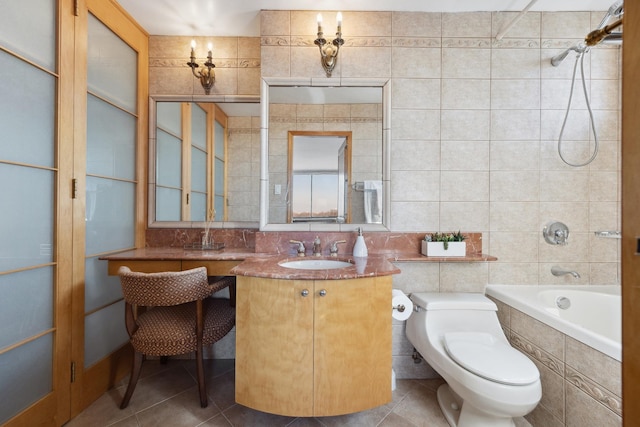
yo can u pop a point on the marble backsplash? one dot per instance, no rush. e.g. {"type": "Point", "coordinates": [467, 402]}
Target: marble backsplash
{"type": "Point", "coordinates": [279, 242]}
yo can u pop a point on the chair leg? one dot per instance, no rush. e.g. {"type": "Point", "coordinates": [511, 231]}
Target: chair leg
{"type": "Point", "coordinates": [202, 387]}
{"type": "Point", "coordinates": [133, 380]}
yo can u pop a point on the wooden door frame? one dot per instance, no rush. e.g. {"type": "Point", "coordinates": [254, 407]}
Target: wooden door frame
{"type": "Point", "coordinates": [630, 260]}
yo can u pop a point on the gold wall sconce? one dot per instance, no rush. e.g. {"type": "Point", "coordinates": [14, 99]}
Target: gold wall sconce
{"type": "Point", "coordinates": [329, 49]}
{"type": "Point", "coordinates": [207, 76]}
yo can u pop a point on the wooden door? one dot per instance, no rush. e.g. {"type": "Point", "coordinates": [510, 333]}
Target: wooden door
{"type": "Point", "coordinates": [274, 345]}
{"type": "Point", "coordinates": [36, 55]}
{"type": "Point", "coordinates": [352, 345]}
{"type": "Point", "coordinates": [110, 139]}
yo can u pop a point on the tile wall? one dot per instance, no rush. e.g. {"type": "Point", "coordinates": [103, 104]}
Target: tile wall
{"type": "Point", "coordinates": [474, 131]}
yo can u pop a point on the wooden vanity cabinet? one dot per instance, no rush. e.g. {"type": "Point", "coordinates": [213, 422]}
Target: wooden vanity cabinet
{"type": "Point", "coordinates": [326, 353]}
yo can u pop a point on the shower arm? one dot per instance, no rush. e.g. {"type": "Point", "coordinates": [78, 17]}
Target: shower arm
{"type": "Point", "coordinates": [596, 36]}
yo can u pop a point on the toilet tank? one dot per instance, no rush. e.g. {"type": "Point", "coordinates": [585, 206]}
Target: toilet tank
{"type": "Point", "coordinates": [452, 301]}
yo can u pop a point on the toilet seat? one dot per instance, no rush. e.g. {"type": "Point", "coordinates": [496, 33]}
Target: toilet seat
{"type": "Point", "coordinates": [482, 354]}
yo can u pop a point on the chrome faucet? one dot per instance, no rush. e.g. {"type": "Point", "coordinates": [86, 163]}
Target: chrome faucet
{"type": "Point", "coordinates": [333, 250]}
{"type": "Point", "coordinates": [558, 271]}
{"type": "Point", "coordinates": [317, 247]}
{"type": "Point", "coordinates": [301, 248]}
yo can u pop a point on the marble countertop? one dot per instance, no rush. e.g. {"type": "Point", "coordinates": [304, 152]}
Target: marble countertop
{"type": "Point", "coordinates": [171, 253]}
{"type": "Point", "coordinates": [269, 267]}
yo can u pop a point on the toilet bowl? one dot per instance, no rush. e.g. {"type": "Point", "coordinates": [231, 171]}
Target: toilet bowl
{"type": "Point", "coordinates": [488, 382]}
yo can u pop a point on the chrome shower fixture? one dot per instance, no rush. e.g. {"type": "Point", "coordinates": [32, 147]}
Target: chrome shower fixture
{"type": "Point", "coordinates": [556, 233]}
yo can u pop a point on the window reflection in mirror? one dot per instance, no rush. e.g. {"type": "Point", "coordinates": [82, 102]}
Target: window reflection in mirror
{"type": "Point", "coordinates": [356, 110]}
{"type": "Point", "coordinates": [319, 173]}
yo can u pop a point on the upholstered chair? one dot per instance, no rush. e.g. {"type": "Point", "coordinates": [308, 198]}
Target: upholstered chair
{"type": "Point", "coordinates": [179, 317]}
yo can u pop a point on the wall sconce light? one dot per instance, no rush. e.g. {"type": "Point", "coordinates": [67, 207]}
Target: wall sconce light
{"type": "Point", "coordinates": [207, 76]}
{"type": "Point", "coordinates": [329, 49]}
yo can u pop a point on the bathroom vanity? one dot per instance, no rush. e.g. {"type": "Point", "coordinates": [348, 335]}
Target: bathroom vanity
{"type": "Point", "coordinates": [315, 346]}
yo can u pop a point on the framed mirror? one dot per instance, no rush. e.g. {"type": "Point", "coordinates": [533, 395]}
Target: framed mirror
{"type": "Point", "coordinates": [204, 162]}
{"type": "Point", "coordinates": [292, 108]}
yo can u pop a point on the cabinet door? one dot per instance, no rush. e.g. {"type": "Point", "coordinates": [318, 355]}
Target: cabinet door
{"type": "Point", "coordinates": [352, 345]}
{"type": "Point", "coordinates": [274, 345]}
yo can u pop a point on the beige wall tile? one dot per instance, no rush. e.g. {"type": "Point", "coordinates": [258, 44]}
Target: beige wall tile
{"type": "Point", "coordinates": [515, 186]}
{"type": "Point", "coordinates": [415, 216]}
{"type": "Point", "coordinates": [565, 24]}
{"type": "Point", "coordinates": [469, 277]}
{"type": "Point", "coordinates": [416, 63]}
{"type": "Point", "coordinates": [415, 124]}
{"type": "Point", "coordinates": [515, 63]}
{"type": "Point", "coordinates": [523, 94]}
{"type": "Point", "coordinates": [514, 216]}
{"type": "Point", "coordinates": [528, 26]}
{"type": "Point", "coordinates": [465, 155]}
{"type": "Point", "coordinates": [514, 155]}
{"type": "Point", "coordinates": [513, 273]}
{"type": "Point", "coordinates": [415, 186]}
{"type": "Point", "coordinates": [514, 247]}
{"type": "Point", "coordinates": [582, 410]}
{"type": "Point", "coordinates": [415, 155]}
{"type": "Point", "coordinates": [459, 125]}
{"type": "Point", "coordinates": [464, 186]}
{"type": "Point", "coordinates": [416, 24]}
{"type": "Point", "coordinates": [365, 62]}
{"type": "Point", "coordinates": [464, 216]}
{"type": "Point", "coordinates": [466, 63]}
{"type": "Point", "coordinates": [275, 22]}
{"type": "Point", "coordinates": [466, 94]}
{"type": "Point", "coordinates": [538, 333]}
{"type": "Point", "coordinates": [523, 125]}
{"type": "Point", "coordinates": [416, 93]}
{"type": "Point", "coordinates": [471, 24]}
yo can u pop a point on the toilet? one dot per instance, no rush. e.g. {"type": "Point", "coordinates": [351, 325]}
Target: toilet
{"type": "Point", "coordinates": [488, 382]}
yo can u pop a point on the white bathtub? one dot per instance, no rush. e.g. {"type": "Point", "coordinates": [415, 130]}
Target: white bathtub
{"type": "Point", "coordinates": [593, 317]}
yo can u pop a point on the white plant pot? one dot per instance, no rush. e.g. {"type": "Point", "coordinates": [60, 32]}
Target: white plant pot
{"type": "Point", "coordinates": [437, 249]}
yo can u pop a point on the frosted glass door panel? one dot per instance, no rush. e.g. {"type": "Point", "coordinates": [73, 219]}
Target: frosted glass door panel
{"type": "Point", "coordinates": [104, 331]}
{"type": "Point", "coordinates": [169, 163]}
{"type": "Point", "coordinates": [198, 207]}
{"type": "Point", "coordinates": [168, 204]}
{"type": "Point", "coordinates": [112, 66]}
{"type": "Point", "coordinates": [31, 38]}
{"type": "Point", "coordinates": [219, 140]}
{"type": "Point", "coordinates": [198, 170]}
{"type": "Point", "coordinates": [219, 177]}
{"type": "Point", "coordinates": [26, 306]}
{"type": "Point", "coordinates": [28, 97]}
{"type": "Point", "coordinates": [26, 197]}
{"type": "Point", "coordinates": [169, 117]}
{"type": "Point", "coordinates": [198, 127]}
{"type": "Point", "coordinates": [110, 215]}
{"type": "Point", "coordinates": [99, 288]}
{"type": "Point", "coordinates": [218, 203]}
{"type": "Point", "coordinates": [111, 143]}
{"type": "Point", "coordinates": [25, 373]}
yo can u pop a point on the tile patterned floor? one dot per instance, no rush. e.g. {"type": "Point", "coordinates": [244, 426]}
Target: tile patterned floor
{"type": "Point", "coordinates": [167, 395]}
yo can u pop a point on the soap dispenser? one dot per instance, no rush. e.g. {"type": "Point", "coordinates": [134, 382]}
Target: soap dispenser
{"type": "Point", "coordinates": [360, 248]}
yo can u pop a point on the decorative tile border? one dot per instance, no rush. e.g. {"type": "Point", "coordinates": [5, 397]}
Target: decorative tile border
{"type": "Point", "coordinates": [537, 353]}
{"type": "Point", "coordinates": [220, 63]}
{"type": "Point", "coordinates": [602, 395]}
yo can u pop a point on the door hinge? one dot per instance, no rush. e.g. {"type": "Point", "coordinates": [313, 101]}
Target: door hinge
{"type": "Point", "coordinates": [73, 372]}
{"type": "Point", "coordinates": [187, 198]}
{"type": "Point", "coordinates": [76, 8]}
{"type": "Point", "coordinates": [74, 188]}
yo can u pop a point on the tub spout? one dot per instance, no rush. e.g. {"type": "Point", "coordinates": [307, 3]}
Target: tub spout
{"type": "Point", "coordinates": [558, 271]}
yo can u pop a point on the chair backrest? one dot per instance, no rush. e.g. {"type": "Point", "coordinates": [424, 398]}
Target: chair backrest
{"type": "Point", "coordinates": [163, 289]}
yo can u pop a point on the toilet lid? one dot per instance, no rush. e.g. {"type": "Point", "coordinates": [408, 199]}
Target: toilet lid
{"type": "Point", "coordinates": [495, 360]}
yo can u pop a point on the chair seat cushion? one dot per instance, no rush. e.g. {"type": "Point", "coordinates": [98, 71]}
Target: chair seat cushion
{"type": "Point", "coordinates": [167, 331]}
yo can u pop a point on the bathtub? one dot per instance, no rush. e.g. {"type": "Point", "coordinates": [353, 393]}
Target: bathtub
{"type": "Point", "coordinates": [591, 314]}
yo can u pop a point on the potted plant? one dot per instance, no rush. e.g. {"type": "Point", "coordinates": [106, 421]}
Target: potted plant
{"type": "Point", "coordinates": [444, 245]}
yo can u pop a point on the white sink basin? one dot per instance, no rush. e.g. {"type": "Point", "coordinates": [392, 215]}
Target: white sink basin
{"type": "Point", "coordinates": [315, 264]}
